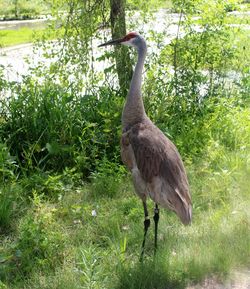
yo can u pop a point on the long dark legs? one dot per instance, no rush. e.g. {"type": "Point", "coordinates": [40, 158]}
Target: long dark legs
{"type": "Point", "coordinates": [156, 220]}
{"type": "Point", "coordinates": [146, 226]}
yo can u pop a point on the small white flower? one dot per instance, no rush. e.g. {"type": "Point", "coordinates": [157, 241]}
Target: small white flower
{"type": "Point", "coordinates": [93, 213]}
{"type": "Point", "coordinates": [125, 228]}
{"type": "Point", "coordinates": [77, 222]}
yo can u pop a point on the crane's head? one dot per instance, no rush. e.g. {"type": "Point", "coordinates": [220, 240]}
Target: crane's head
{"type": "Point", "coordinates": [131, 39]}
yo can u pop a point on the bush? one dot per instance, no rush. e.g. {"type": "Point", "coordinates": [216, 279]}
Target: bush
{"type": "Point", "coordinates": [51, 127]}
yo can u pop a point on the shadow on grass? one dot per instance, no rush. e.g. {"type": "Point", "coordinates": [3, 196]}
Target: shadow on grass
{"type": "Point", "coordinates": [213, 252]}
{"type": "Point", "coordinates": [149, 275]}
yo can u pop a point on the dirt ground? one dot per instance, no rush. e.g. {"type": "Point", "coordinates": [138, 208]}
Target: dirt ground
{"type": "Point", "coordinates": [237, 280]}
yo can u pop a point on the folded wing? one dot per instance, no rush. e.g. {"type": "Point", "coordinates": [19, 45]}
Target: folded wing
{"type": "Point", "coordinates": [157, 157]}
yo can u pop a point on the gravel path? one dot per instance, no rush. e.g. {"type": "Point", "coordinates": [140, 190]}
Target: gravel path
{"type": "Point", "coordinates": [237, 280]}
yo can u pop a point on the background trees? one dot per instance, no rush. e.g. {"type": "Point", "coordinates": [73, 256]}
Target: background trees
{"type": "Point", "coordinates": [122, 58]}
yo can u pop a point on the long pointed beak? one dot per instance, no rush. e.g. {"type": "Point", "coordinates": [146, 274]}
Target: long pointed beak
{"type": "Point", "coordinates": [111, 42]}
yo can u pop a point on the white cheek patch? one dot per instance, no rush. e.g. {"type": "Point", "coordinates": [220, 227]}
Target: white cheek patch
{"type": "Point", "coordinates": [128, 43]}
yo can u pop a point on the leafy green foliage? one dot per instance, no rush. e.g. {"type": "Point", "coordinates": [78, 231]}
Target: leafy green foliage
{"type": "Point", "coordinates": [55, 128]}
{"type": "Point", "coordinates": [7, 164]}
{"type": "Point", "coordinates": [198, 78]}
{"type": "Point", "coordinates": [59, 232]}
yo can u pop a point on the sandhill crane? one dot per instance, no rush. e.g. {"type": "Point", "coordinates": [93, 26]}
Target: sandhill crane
{"type": "Point", "coordinates": [155, 164]}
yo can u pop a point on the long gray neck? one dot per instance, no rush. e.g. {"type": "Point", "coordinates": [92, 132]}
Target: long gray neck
{"type": "Point", "coordinates": [134, 111]}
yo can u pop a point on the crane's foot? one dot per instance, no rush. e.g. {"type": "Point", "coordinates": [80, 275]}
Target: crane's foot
{"type": "Point", "coordinates": [146, 226]}
{"type": "Point", "coordinates": [156, 220]}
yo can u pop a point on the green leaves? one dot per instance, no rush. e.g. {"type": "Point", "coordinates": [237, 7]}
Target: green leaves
{"type": "Point", "coordinates": [53, 127]}
{"type": "Point", "coordinates": [8, 164]}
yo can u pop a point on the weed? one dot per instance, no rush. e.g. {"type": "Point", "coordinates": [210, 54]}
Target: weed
{"type": "Point", "coordinates": [107, 179]}
{"type": "Point", "coordinates": [6, 210]}
{"type": "Point", "coordinates": [8, 164]}
{"type": "Point", "coordinates": [12, 205]}
{"type": "Point", "coordinates": [40, 242]}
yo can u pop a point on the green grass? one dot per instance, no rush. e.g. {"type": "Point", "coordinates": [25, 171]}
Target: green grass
{"type": "Point", "coordinates": [57, 243]}
{"type": "Point", "coordinates": [25, 35]}
{"type": "Point", "coordinates": [20, 36]}
{"type": "Point", "coordinates": [50, 237]}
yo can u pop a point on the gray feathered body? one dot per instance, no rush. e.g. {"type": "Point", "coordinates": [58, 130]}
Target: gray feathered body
{"type": "Point", "coordinates": [156, 167]}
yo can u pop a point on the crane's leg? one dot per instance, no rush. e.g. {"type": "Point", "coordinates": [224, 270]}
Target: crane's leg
{"type": "Point", "coordinates": [146, 226]}
{"type": "Point", "coordinates": [156, 220]}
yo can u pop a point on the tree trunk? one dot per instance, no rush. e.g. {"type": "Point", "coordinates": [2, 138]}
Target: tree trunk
{"type": "Point", "coordinates": [118, 29]}
{"type": "Point", "coordinates": [16, 9]}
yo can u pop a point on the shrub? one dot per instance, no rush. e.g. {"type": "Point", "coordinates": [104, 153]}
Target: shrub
{"type": "Point", "coordinates": [51, 127]}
